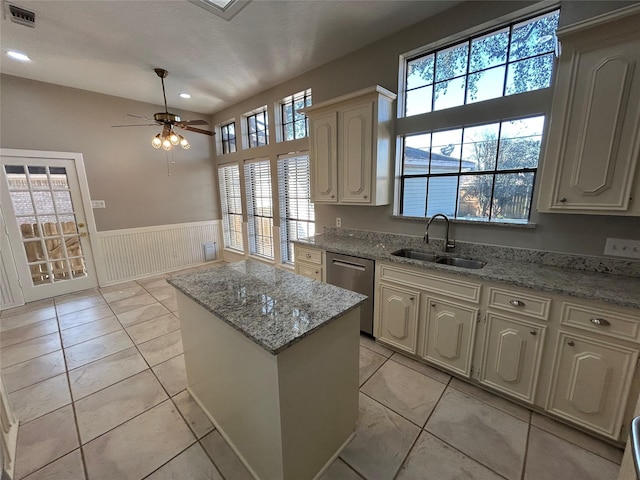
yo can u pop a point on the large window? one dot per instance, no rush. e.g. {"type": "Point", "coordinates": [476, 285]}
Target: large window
{"type": "Point", "coordinates": [231, 203]}
{"type": "Point", "coordinates": [476, 163]}
{"type": "Point", "coordinates": [295, 124]}
{"type": "Point", "coordinates": [257, 127]}
{"type": "Point", "coordinates": [296, 210]}
{"type": "Point", "coordinates": [228, 137]}
{"type": "Point", "coordinates": [259, 208]}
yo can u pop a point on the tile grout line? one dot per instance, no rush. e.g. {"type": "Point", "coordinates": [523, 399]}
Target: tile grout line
{"type": "Point", "coordinates": [527, 444]}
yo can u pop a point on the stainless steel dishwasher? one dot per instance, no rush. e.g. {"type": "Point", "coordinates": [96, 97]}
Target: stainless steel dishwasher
{"type": "Point", "coordinates": [355, 274]}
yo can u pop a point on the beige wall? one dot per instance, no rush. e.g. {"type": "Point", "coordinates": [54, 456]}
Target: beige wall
{"type": "Point", "coordinates": [378, 64]}
{"type": "Point", "coordinates": [122, 167]}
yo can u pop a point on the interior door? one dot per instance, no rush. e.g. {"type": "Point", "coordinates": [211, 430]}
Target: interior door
{"type": "Point", "coordinates": [47, 227]}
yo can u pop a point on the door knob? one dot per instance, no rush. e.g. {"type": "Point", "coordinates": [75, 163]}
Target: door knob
{"type": "Point", "coordinates": [84, 234]}
{"type": "Point", "coordinates": [81, 225]}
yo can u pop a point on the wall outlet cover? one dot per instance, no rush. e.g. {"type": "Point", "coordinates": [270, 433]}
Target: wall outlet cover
{"type": "Point", "coordinates": [338, 222]}
{"type": "Point", "coordinates": [98, 204]}
{"type": "Point", "coordinates": [620, 247]}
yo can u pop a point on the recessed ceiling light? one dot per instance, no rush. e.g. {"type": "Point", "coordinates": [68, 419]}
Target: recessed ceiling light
{"type": "Point", "coordinates": [21, 57]}
{"type": "Point", "coordinates": [185, 95]}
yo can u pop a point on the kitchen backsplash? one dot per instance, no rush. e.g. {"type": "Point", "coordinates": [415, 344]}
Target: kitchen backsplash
{"type": "Point", "coordinates": [480, 251]}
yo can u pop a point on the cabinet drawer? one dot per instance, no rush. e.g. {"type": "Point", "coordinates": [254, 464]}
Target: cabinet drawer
{"type": "Point", "coordinates": [525, 304]}
{"type": "Point", "coordinates": [602, 321]}
{"type": "Point", "coordinates": [438, 283]}
{"type": "Point", "coordinates": [311, 271]}
{"type": "Point", "coordinates": [309, 255]}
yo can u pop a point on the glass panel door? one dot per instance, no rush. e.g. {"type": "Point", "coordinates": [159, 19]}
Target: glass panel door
{"type": "Point", "coordinates": [49, 228]}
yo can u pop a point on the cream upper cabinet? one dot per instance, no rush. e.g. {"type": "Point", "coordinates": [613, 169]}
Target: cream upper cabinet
{"type": "Point", "coordinates": [591, 382]}
{"type": "Point", "coordinates": [350, 148]}
{"type": "Point", "coordinates": [398, 317]}
{"type": "Point", "coordinates": [591, 161]}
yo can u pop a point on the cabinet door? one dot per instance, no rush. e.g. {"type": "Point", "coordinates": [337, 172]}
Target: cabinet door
{"type": "Point", "coordinates": [398, 317]}
{"type": "Point", "coordinates": [511, 356]}
{"type": "Point", "coordinates": [594, 136]}
{"type": "Point", "coordinates": [449, 334]}
{"type": "Point", "coordinates": [356, 134]}
{"type": "Point", "coordinates": [591, 382]}
{"type": "Point", "coordinates": [323, 152]}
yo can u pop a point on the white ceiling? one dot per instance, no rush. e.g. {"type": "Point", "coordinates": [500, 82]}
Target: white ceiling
{"type": "Point", "coordinates": [112, 47]}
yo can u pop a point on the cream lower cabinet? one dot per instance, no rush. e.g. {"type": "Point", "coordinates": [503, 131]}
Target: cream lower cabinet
{"type": "Point", "coordinates": [511, 356]}
{"type": "Point", "coordinates": [591, 382]}
{"type": "Point", "coordinates": [398, 317]}
{"type": "Point", "coordinates": [309, 262]}
{"type": "Point", "coordinates": [449, 333]}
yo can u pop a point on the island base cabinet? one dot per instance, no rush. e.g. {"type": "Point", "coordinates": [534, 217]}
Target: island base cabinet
{"type": "Point", "coordinates": [398, 317]}
{"type": "Point", "coordinates": [511, 356]}
{"type": "Point", "coordinates": [591, 381]}
{"type": "Point", "coordinates": [449, 334]}
{"type": "Point", "coordinates": [287, 416]}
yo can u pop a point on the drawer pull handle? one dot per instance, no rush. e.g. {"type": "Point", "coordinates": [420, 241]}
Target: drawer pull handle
{"type": "Point", "coordinates": [571, 343]}
{"type": "Point", "coordinates": [601, 322]}
{"type": "Point", "coordinates": [308, 255]}
{"type": "Point", "coordinates": [516, 303]}
{"type": "Point", "coordinates": [533, 332]}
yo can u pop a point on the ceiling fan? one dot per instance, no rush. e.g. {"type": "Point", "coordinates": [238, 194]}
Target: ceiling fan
{"type": "Point", "coordinates": [168, 138]}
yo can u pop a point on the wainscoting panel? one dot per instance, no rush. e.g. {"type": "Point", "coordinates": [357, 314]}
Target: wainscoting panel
{"type": "Point", "coordinates": [141, 252]}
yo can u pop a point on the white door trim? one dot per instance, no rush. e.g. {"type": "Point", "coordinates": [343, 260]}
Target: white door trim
{"type": "Point", "coordinates": [84, 190]}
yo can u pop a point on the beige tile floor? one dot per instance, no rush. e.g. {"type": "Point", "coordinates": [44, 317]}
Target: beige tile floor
{"type": "Point", "coordinates": [98, 381]}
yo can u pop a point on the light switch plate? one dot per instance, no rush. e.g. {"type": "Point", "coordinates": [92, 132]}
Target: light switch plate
{"type": "Point", "coordinates": [98, 204]}
{"type": "Point", "coordinates": [620, 247]}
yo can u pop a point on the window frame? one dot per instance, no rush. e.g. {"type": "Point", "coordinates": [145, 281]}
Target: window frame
{"type": "Point", "coordinates": [224, 144]}
{"type": "Point", "coordinates": [500, 109]}
{"type": "Point", "coordinates": [255, 226]}
{"type": "Point", "coordinates": [232, 242]}
{"type": "Point", "coordinates": [286, 240]}
{"type": "Point", "coordinates": [306, 97]}
{"type": "Point", "coordinates": [248, 134]}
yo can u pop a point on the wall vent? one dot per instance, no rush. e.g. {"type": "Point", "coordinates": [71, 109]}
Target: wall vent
{"type": "Point", "coordinates": [21, 16]}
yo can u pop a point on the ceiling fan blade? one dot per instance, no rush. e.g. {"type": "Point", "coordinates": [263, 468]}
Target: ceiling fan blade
{"type": "Point", "coordinates": [192, 122]}
{"type": "Point", "coordinates": [197, 130]}
{"type": "Point", "coordinates": [137, 125]}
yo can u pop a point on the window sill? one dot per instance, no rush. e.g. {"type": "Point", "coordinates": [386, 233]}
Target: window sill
{"type": "Point", "coordinates": [467, 222]}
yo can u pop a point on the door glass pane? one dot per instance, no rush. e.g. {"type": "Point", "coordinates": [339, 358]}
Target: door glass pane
{"type": "Point", "coordinates": [43, 208]}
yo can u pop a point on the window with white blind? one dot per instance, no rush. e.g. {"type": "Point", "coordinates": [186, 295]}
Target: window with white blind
{"type": "Point", "coordinates": [231, 203]}
{"type": "Point", "coordinates": [259, 208]}
{"type": "Point", "coordinates": [297, 218]}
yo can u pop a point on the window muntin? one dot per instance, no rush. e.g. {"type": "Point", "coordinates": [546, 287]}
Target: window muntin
{"type": "Point", "coordinates": [295, 124]}
{"type": "Point", "coordinates": [228, 137]}
{"type": "Point", "coordinates": [297, 217]}
{"type": "Point", "coordinates": [257, 124]}
{"type": "Point", "coordinates": [479, 173]}
{"type": "Point", "coordinates": [259, 208]}
{"type": "Point", "coordinates": [513, 59]}
{"type": "Point", "coordinates": [231, 204]}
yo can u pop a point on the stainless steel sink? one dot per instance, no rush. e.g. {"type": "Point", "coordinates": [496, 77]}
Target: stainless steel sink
{"type": "Point", "coordinates": [440, 259]}
{"type": "Point", "coordinates": [415, 255]}
{"type": "Point", "coordinates": [460, 262]}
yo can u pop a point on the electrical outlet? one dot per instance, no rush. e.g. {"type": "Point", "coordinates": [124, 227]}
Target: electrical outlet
{"type": "Point", "coordinates": [620, 247]}
{"type": "Point", "coordinates": [338, 222]}
{"type": "Point", "coordinates": [98, 204]}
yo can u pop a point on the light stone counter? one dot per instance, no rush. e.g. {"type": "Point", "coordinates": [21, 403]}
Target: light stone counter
{"type": "Point", "coordinates": [614, 281]}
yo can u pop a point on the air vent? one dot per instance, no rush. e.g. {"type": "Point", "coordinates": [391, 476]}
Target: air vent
{"type": "Point", "coordinates": [21, 16]}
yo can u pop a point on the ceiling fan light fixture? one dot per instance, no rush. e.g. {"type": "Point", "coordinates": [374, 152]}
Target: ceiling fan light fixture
{"type": "Point", "coordinates": [156, 142]}
{"type": "Point", "coordinates": [166, 144]}
{"type": "Point", "coordinates": [184, 143]}
{"type": "Point", "coordinates": [174, 139]}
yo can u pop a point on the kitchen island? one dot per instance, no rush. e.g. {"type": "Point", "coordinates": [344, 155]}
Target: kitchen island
{"type": "Point", "coordinates": [272, 358]}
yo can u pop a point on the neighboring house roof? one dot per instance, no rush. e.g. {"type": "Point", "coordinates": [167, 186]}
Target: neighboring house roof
{"type": "Point", "coordinates": [419, 158]}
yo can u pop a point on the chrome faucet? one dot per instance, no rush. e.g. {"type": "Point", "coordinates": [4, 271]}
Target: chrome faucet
{"type": "Point", "coordinates": [448, 244]}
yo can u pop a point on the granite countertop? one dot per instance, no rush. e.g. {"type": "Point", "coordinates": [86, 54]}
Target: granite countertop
{"type": "Point", "coordinates": [270, 306]}
{"type": "Point", "coordinates": [619, 290]}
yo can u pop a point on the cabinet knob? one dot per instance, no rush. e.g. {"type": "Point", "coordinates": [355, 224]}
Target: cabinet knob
{"type": "Point", "coordinates": [333, 196]}
{"type": "Point", "coordinates": [308, 255]}
{"type": "Point", "coordinates": [533, 332]}
{"type": "Point", "coordinates": [433, 304]}
{"type": "Point", "coordinates": [317, 272]}
{"type": "Point", "coordinates": [563, 199]}
{"type": "Point", "coordinates": [601, 322]}
{"type": "Point", "coordinates": [571, 343]}
{"type": "Point", "coordinates": [516, 303]}
{"type": "Point", "coordinates": [364, 197]}
{"type": "Point", "coordinates": [412, 298]}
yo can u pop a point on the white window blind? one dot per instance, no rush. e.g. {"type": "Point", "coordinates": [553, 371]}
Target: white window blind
{"type": "Point", "coordinates": [231, 203]}
{"type": "Point", "coordinates": [259, 208]}
{"type": "Point", "coordinates": [297, 217]}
